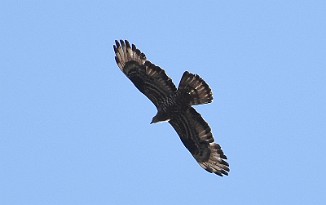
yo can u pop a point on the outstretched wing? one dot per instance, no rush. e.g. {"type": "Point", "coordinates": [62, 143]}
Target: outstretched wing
{"type": "Point", "coordinates": [196, 135]}
{"type": "Point", "coordinates": [150, 79]}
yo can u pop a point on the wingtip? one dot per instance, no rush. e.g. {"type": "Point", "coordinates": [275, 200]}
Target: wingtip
{"type": "Point", "coordinates": [127, 43]}
{"type": "Point", "coordinates": [117, 59]}
{"type": "Point", "coordinates": [117, 43]}
{"type": "Point", "coordinates": [122, 43]}
{"type": "Point", "coordinates": [126, 53]}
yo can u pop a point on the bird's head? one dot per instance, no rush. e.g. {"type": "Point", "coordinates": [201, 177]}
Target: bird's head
{"type": "Point", "coordinates": [160, 117]}
{"type": "Point", "coordinates": [155, 119]}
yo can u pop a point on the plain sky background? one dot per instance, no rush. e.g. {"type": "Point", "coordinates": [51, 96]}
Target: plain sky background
{"type": "Point", "coordinates": [75, 130]}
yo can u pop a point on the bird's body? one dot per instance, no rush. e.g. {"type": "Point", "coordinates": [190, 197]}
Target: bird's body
{"type": "Point", "coordinates": [175, 105]}
{"type": "Point", "coordinates": [172, 106]}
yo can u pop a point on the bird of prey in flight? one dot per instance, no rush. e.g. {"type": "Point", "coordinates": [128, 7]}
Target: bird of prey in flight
{"type": "Point", "coordinates": [174, 105]}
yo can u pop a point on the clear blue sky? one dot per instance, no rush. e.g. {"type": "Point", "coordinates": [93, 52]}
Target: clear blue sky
{"type": "Point", "coordinates": [74, 129]}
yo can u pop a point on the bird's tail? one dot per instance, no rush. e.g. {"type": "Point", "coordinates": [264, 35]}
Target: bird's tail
{"type": "Point", "coordinates": [199, 91]}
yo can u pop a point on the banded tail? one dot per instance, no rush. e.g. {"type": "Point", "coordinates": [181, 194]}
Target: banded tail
{"type": "Point", "coordinates": [198, 89]}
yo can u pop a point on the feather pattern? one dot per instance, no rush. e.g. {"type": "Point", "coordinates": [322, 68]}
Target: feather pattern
{"type": "Point", "coordinates": [196, 135]}
{"type": "Point", "coordinates": [197, 88]}
{"type": "Point", "coordinates": [150, 79]}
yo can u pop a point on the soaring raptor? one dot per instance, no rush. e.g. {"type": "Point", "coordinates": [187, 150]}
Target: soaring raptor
{"type": "Point", "coordinates": [175, 105]}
